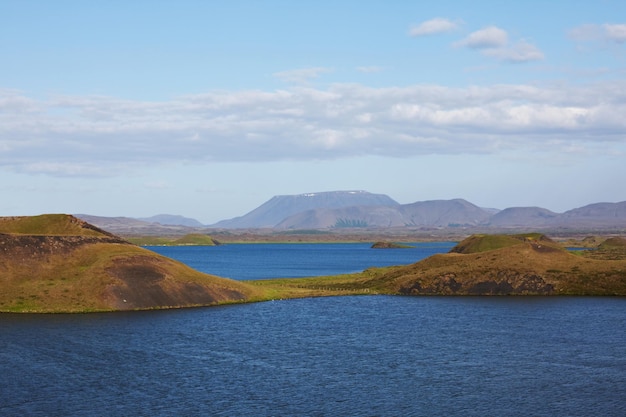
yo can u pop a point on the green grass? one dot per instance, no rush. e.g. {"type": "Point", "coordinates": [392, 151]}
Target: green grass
{"type": "Point", "coordinates": [47, 224]}
{"type": "Point", "coordinates": [192, 239]}
{"type": "Point", "coordinates": [150, 241]}
{"type": "Point", "coordinates": [195, 239]}
{"type": "Point", "coordinates": [484, 243]}
{"type": "Point", "coordinates": [613, 243]}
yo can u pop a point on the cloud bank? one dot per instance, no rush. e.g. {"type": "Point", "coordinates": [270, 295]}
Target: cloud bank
{"type": "Point", "coordinates": [74, 136]}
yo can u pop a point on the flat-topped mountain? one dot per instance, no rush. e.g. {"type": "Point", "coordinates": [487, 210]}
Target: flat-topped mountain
{"type": "Point", "coordinates": [279, 208]}
{"type": "Point", "coordinates": [60, 263]}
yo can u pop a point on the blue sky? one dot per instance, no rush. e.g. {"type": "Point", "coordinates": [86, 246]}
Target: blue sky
{"type": "Point", "coordinates": [207, 109]}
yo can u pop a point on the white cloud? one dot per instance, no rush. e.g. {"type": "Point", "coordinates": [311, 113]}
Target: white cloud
{"type": "Point", "coordinates": [604, 32]}
{"type": "Point", "coordinates": [494, 42]}
{"type": "Point", "coordinates": [302, 75]}
{"type": "Point", "coordinates": [616, 33]}
{"type": "Point", "coordinates": [521, 51]}
{"type": "Point", "coordinates": [433, 26]}
{"type": "Point", "coordinates": [83, 136]}
{"type": "Point", "coordinates": [489, 37]}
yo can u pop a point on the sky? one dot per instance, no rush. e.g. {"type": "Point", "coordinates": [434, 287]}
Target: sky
{"type": "Point", "coordinates": [207, 109]}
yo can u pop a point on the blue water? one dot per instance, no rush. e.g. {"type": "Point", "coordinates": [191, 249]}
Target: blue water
{"type": "Point", "coordinates": [263, 261]}
{"type": "Point", "coordinates": [357, 356]}
{"type": "Point", "coordinates": [363, 356]}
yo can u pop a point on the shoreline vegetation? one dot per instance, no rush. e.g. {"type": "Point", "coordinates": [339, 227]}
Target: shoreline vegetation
{"type": "Point", "coordinates": [60, 264]}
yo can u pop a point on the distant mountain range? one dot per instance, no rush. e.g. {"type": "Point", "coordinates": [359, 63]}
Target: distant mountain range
{"type": "Point", "coordinates": [349, 209]}
{"type": "Point", "coordinates": [361, 209]}
{"type": "Point", "coordinates": [172, 220]}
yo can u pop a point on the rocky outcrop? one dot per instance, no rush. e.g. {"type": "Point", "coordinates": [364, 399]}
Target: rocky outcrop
{"type": "Point", "coordinates": [498, 283]}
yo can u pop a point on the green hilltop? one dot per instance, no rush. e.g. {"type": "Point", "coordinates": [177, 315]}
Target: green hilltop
{"type": "Point", "coordinates": [49, 224]}
{"type": "Point", "coordinates": [483, 243]}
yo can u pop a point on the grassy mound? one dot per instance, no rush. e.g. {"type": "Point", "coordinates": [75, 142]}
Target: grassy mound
{"type": "Point", "coordinates": [613, 243]}
{"type": "Point", "coordinates": [613, 248]}
{"type": "Point", "coordinates": [484, 243]}
{"type": "Point", "coordinates": [57, 263]}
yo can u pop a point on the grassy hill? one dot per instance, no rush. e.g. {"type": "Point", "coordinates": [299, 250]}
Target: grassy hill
{"type": "Point", "coordinates": [58, 263]}
{"type": "Point", "coordinates": [529, 264]}
{"type": "Point", "coordinates": [483, 243]}
{"type": "Point", "coordinates": [510, 265]}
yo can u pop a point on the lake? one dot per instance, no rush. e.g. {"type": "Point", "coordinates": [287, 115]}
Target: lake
{"type": "Point", "coordinates": [286, 260]}
{"type": "Point", "coordinates": [355, 355]}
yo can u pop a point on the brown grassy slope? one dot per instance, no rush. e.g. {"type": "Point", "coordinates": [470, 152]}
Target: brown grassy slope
{"type": "Point", "coordinates": [77, 268]}
{"type": "Point", "coordinates": [531, 266]}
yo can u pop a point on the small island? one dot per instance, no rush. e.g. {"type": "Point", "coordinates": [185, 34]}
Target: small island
{"type": "Point", "coordinates": [390, 245]}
